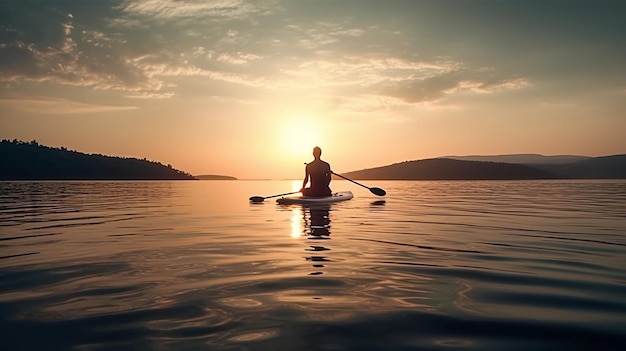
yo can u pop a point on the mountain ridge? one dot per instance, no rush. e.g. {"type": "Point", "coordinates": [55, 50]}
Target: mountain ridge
{"type": "Point", "coordinates": [30, 161]}
{"type": "Point", "coordinates": [530, 159]}
{"type": "Point", "coordinates": [604, 167]}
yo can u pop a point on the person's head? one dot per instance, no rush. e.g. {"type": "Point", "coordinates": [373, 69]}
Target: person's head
{"type": "Point", "coordinates": [317, 152]}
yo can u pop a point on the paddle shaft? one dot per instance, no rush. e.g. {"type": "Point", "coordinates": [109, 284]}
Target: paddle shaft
{"type": "Point", "coordinates": [261, 198]}
{"type": "Point", "coordinates": [293, 192]}
{"type": "Point", "coordinates": [355, 182]}
{"type": "Point", "coordinates": [375, 191]}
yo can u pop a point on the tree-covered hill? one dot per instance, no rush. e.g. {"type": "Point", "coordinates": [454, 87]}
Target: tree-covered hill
{"type": "Point", "coordinates": [606, 167]}
{"type": "Point", "coordinates": [21, 160]}
{"type": "Point", "coordinates": [448, 169]}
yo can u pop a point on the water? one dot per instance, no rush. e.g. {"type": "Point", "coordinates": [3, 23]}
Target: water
{"type": "Point", "coordinates": [194, 266]}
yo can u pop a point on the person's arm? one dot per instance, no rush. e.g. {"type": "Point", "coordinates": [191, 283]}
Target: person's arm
{"type": "Point", "coordinates": [306, 178]}
{"type": "Point", "coordinates": [328, 174]}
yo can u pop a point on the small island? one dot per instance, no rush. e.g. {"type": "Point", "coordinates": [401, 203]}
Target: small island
{"type": "Point", "coordinates": [214, 177]}
{"type": "Point", "coordinates": [21, 160]}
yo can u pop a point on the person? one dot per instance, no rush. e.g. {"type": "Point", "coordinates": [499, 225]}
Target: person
{"type": "Point", "coordinates": [318, 172]}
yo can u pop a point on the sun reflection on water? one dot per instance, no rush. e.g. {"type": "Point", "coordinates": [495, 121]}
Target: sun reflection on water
{"type": "Point", "coordinates": [297, 225]}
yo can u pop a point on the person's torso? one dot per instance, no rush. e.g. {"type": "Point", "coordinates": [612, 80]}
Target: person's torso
{"type": "Point", "coordinates": [319, 172]}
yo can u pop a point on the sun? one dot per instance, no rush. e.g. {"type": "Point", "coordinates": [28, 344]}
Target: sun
{"type": "Point", "coordinates": [299, 136]}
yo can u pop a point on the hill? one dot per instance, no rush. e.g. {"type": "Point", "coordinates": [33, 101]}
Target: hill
{"type": "Point", "coordinates": [527, 159]}
{"type": "Point", "coordinates": [607, 167]}
{"type": "Point", "coordinates": [30, 161]}
{"type": "Point", "coordinates": [214, 177]}
{"type": "Point", "coordinates": [448, 169]}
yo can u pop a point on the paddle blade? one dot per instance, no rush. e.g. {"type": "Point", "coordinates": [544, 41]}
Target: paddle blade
{"type": "Point", "coordinates": [257, 198]}
{"type": "Point", "coordinates": [378, 191]}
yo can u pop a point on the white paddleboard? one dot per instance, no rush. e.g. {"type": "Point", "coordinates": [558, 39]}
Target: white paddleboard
{"type": "Point", "coordinates": [335, 197]}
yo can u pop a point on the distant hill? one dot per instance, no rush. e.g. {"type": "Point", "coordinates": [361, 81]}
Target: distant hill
{"type": "Point", "coordinates": [609, 167]}
{"type": "Point", "coordinates": [606, 167]}
{"type": "Point", "coordinates": [527, 159]}
{"type": "Point", "coordinates": [448, 169]}
{"type": "Point", "coordinates": [214, 177]}
{"type": "Point", "coordinates": [30, 161]}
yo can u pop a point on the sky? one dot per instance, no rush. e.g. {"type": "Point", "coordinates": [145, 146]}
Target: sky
{"type": "Point", "coordinates": [247, 88]}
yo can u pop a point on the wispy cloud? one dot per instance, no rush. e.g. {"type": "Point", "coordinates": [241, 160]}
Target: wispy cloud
{"type": "Point", "coordinates": [487, 87]}
{"type": "Point", "coordinates": [57, 106]}
{"type": "Point", "coordinates": [321, 34]}
{"type": "Point", "coordinates": [395, 81]}
{"type": "Point", "coordinates": [172, 9]}
{"type": "Point", "coordinates": [367, 71]}
{"type": "Point", "coordinates": [141, 62]}
{"type": "Point", "coordinates": [102, 58]}
{"type": "Point", "coordinates": [88, 61]}
{"type": "Point", "coordinates": [238, 58]}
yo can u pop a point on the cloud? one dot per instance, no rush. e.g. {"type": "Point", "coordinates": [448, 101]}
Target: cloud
{"type": "Point", "coordinates": [320, 34]}
{"type": "Point", "coordinates": [396, 81]}
{"type": "Point", "coordinates": [172, 9]}
{"type": "Point", "coordinates": [365, 103]}
{"type": "Point", "coordinates": [363, 71]}
{"type": "Point", "coordinates": [238, 58]}
{"type": "Point", "coordinates": [86, 61]}
{"type": "Point", "coordinates": [487, 87]}
{"type": "Point", "coordinates": [433, 83]}
{"type": "Point", "coordinates": [57, 106]}
{"type": "Point", "coordinates": [156, 45]}
{"type": "Point", "coordinates": [136, 60]}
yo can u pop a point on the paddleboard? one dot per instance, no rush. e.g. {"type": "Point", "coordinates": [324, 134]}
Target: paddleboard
{"type": "Point", "coordinates": [335, 197]}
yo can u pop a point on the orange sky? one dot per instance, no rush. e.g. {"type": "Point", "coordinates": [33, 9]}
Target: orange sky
{"type": "Point", "coordinates": [247, 88]}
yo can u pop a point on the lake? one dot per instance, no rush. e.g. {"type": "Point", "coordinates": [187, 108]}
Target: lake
{"type": "Point", "coordinates": [193, 265]}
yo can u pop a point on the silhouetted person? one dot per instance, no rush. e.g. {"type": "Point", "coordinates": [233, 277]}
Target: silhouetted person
{"type": "Point", "coordinates": [319, 173]}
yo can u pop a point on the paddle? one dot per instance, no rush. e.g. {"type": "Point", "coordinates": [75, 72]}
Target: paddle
{"type": "Point", "coordinates": [375, 191]}
{"type": "Point", "coordinates": [261, 198]}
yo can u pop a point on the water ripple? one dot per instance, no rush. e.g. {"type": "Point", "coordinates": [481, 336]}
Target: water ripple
{"type": "Point", "coordinates": [192, 265]}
